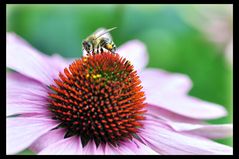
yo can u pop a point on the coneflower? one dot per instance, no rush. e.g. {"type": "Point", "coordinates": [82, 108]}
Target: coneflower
{"type": "Point", "coordinates": [102, 104]}
{"type": "Point", "coordinates": [98, 98]}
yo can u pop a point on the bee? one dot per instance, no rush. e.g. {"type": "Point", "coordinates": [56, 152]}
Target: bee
{"type": "Point", "coordinates": [100, 41]}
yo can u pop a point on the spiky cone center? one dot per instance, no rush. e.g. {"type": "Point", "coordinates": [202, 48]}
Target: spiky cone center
{"type": "Point", "coordinates": [98, 97]}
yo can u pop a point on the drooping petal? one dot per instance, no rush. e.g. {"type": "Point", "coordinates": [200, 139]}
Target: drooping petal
{"type": "Point", "coordinates": [162, 82]}
{"type": "Point", "coordinates": [125, 148]}
{"type": "Point", "coordinates": [23, 58]}
{"type": "Point", "coordinates": [164, 114]}
{"type": "Point", "coordinates": [168, 91]}
{"type": "Point", "coordinates": [47, 139]}
{"type": "Point", "coordinates": [135, 147]}
{"type": "Point", "coordinates": [45, 115]}
{"type": "Point", "coordinates": [208, 131]}
{"type": "Point", "coordinates": [92, 149]}
{"type": "Point", "coordinates": [130, 147]}
{"type": "Point", "coordinates": [110, 150]}
{"type": "Point", "coordinates": [166, 141]}
{"type": "Point", "coordinates": [143, 149]}
{"type": "Point", "coordinates": [135, 51]}
{"type": "Point", "coordinates": [187, 125]}
{"type": "Point", "coordinates": [214, 131]}
{"type": "Point", "coordinates": [22, 132]}
{"type": "Point", "coordinates": [16, 81]}
{"type": "Point", "coordinates": [187, 106]}
{"type": "Point", "coordinates": [25, 95]}
{"type": "Point", "coordinates": [57, 62]}
{"type": "Point", "coordinates": [27, 109]}
{"type": "Point", "coordinates": [68, 146]}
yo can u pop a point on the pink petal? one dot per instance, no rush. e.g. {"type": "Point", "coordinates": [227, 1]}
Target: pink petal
{"type": "Point", "coordinates": [47, 139]}
{"type": "Point", "coordinates": [22, 132]}
{"type": "Point", "coordinates": [135, 51]}
{"type": "Point", "coordinates": [124, 149]}
{"type": "Point", "coordinates": [143, 149]}
{"type": "Point", "coordinates": [168, 91]}
{"type": "Point", "coordinates": [130, 147]}
{"type": "Point", "coordinates": [214, 131]}
{"type": "Point", "coordinates": [187, 106]}
{"type": "Point", "coordinates": [162, 82]}
{"type": "Point", "coordinates": [184, 125]}
{"type": "Point", "coordinates": [45, 115]}
{"type": "Point", "coordinates": [22, 58]}
{"type": "Point", "coordinates": [19, 81]}
{"type": "Point", "coordinates": [164, 114]}
{"type": "Point", "coordinates": [68, 146]}
{"type": "Point", "coordinates": [57, 62]}
{"type": "Point", "coordinates": [208, 131]}
{"type": "Point", "coordinates": [91, 149]}
{"type": "Point", "coordinates": [25, 95]}
{"type": "Point", "coordinates": [110, 150]}
{"type": "Point", "coordinates": [26, 109]}
{"type": "Point", "coordinates": [169, 142]}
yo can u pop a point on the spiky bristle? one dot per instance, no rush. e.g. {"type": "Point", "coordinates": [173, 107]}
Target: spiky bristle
{"type": "Point", "coordinates": [98, 97]}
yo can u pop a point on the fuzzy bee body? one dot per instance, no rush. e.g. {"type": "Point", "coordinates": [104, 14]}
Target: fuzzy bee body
{"type": "Point", "coordinates": [99, 42]}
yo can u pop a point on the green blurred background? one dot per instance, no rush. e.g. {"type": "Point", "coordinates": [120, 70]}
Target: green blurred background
{"type": "Point", "coordinates": [195, 40]}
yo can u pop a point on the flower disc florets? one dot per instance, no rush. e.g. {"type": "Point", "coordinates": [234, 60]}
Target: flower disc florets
{"type": "Point", "coordinates": [98, 97]}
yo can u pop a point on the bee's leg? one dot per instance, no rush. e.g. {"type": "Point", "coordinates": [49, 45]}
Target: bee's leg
{"type": "Point", "coordinates": [94, 50]}
{"type": "Point", "coordinates": [99, 49]}
{"type": "Point", "coordinates": [87, 53]}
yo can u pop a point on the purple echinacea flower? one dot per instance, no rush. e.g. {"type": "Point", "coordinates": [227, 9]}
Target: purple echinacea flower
{"type": "Point", "coordinates": [104, 104]}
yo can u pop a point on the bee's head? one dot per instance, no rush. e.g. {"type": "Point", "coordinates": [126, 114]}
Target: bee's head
{"type": "Point", "coordinates": [87, 45]}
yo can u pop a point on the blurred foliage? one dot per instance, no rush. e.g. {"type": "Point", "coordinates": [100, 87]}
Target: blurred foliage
{"type": "Point", "coordinates": [26, 152]}
{"type": "Point", "coordinates": [173, 44]}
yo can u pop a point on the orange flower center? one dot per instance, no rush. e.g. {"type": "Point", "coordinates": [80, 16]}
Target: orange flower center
{"type": "Point", "coordinates": [98, 98]}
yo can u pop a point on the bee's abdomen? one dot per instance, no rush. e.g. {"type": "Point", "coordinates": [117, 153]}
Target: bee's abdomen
{"type": "Point", "coordinates": [100, 50]}
{"type": "Point", "coordinates": [106, 45]}
{"type": "Point", "coordinates": [113, 47]}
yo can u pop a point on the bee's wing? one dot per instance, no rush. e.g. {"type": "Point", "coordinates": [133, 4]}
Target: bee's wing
{"type": "Point", "coordinates": [103, 31]}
